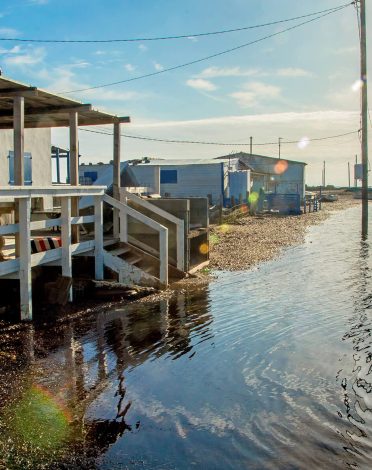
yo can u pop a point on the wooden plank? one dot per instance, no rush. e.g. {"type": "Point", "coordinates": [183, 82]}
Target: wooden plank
{"type": "Point", "coordinates": [15, 192]}
{"type": "Point", "coordinates": [98, 237]}
{"type": "Point", "coordinates": [40, 111]}
{"type": "Point", "coordinates": [84, 219]}
{"type": "Point", "coordinates": [31, 92]}
{"type": "Point", "coordinates": [9, 267]}
{"type": "Point", "coordinates": [116, 176]}
{"type": "Point", "coordinates": [66, 239]}
{"type": "Point", "coordinates": [25, 259]}
{"type": "Point", "coordinates": [48, 223]}
{"type": "Point", "coordinates": [9, 229]}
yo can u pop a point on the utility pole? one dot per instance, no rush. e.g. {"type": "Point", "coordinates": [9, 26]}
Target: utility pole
{"type": "Point", "coordinates": [251, 144]}
{"type": "Point", "coordinates": [324, 173]}
{"type": "Point", "coordinates": [280, 141]}
{"type": "Point", "coordinates": [355, 178]}
{"type": "Point", "coordinates": [348, 172]}
{"type": "Point", "coordinates": [363, 70]}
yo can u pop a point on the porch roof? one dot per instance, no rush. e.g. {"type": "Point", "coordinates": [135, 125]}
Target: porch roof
{"type": "Point", "coordinates": [45, 109]}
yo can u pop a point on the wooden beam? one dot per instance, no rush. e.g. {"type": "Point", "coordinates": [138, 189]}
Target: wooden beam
{"type": "Point", "coordinates": [116, 176]}
{"type": "Point", "coordinates": [29, 93]}
{"type": "Point", "coordinates": [19, 116]}
{"type": "Point", "coordinates": [123, 119]}
{"type": "Point", "coordinates": [66, 239]}
{"type": "Point", "coordinates": [74, 170]}
{"type": "Point", "coordinates": [38, 111]}
{"type": "Point", "coordinates": [25, 259]}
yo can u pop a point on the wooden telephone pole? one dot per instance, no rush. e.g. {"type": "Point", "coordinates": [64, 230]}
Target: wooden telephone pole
{"type": "Point", "coordinates": [363, 71]}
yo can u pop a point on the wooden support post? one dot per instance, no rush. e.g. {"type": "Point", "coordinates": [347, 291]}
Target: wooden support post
{"type": "Point", "coordinates": [25, 259]}
{"type": "Point", "coordinates": [98, 237]}
{"type": "Point", "coordinates": [163, 256]}
{"type": "Point", "coordinates": [66, 239]}
{"type": "Point", "coordinates": [74, 171]}
{"type": "Point", "coordinates": [156, 189]}
{"type": "Point", "coordinates": [18, 143]}
{"type": "Point", "coordinates": [181, 246]}
{"type": "Point", "coordinates": [123, 226]}
{"type": "Point", "coordinates": [116, 178]}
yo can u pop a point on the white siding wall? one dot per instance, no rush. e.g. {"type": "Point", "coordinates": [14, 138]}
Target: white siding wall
{"type": "Point", "coordinates": [38, 143]}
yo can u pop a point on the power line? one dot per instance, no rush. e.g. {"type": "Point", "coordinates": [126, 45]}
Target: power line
{"type": "Point", "coordinates": [164, 38]}
{"type": "Point", "coordinates": [227, 51]}
{"type": "Point", "coordinates": [173, 141]}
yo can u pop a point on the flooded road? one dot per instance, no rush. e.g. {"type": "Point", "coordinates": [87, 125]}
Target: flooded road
{"type": "Point", "coordinates": [266, 369]}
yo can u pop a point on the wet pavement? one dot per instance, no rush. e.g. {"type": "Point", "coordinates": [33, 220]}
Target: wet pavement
{"type": "Point", "coordinates": [264, 369]}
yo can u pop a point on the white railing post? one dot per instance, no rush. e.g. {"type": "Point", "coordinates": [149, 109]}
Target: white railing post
{"type": "Point", "coordinates": [181, 245]}
{"type": "Point", "coordinates": [123, 225]}
{"type": "Point", "coordinates": [25, 258]}
{"type": "Point", "coordinates": [163, 256]}
{"type": "Point", "coordinates": [98, 237]}
{"type": "Point", "coordinates": [66, 239]}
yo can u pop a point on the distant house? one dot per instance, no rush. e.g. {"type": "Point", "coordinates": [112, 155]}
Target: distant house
{"type": "Point", "coordinates": [274, 175]}
{"type": "Point", "coordinates": [190, 178]}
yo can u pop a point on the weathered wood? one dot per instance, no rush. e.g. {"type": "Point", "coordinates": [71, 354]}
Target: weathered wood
{"type": "Point", "coordinates": [116, 176]}
{"type": "Point", "coordinates": [98, 237]}
{"type": "Point", "coordinates": [74, 170]}
{"type": "Point", "coordinates": [39, 111]}
{"type": "Point", "coordinates": [163, 256]}
{"type": "Point", "coordinates": [66, 239]}
{"type": "Point", "coordinates": [25, 259]}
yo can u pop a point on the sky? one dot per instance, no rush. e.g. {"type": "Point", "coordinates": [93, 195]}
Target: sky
{"type": "Point", "coordinates": [299, 85]}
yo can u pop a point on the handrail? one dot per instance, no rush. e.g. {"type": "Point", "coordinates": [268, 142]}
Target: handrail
{"type": "Point", "coordinates": [18, 192]}
{"type": "Point", "coordinates": [125, 210]}
{"type": "Point", "coordinates": [180, 226]}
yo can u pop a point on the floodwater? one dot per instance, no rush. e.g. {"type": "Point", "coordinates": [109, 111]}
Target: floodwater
{"type": "Point", "coordinates": [266, 369]}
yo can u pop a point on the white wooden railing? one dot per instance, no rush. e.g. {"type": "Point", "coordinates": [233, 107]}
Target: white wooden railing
{"type": "Point", "coordinates": [180, 226]}
{"type": "Point", "coordinates": [20, 266]}
{"type": "Point", "coordinates": [125, 211]}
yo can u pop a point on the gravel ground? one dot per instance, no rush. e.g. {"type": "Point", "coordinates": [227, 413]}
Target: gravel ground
{"type": "Point", "coordinates": [248, 240]}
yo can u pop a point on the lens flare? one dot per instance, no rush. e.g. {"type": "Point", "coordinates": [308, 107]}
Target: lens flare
{"type": "Point", "coordinates": [281, 167]}
{"type": "Point", "coordinates": [244, 209]}
{"type": "Point", "coordinates": [253, 197]}
{"type": "Point", "coordinates": [357, 85]}
{"type": "Point", "coordinates": [303, 143]}
{"type": "Point", "coordinates": [204, 248]}
{"type": "Point", "coordinates": [224, 228]}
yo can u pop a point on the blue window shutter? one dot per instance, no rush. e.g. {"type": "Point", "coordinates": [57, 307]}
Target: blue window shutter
{"type": "Point", "coordinates": [11, 167]}
{"type": "Point", "coordinates": [168, 176]}
{"type": "Point", "coordinates": [27, 162]}
{"type": "Point", "coordinates": [28, 168]}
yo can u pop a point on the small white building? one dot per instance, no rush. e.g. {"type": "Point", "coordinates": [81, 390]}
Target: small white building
{"type": "Point", "coordinates": [188, 178]}
{"type": "Point", "coordinates": [281, 176]}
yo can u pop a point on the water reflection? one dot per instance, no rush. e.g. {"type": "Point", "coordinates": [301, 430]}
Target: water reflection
{"type": "Point", "coordinates": [356, 383]}
{"type": "Point", "coordinates": [51, 377]}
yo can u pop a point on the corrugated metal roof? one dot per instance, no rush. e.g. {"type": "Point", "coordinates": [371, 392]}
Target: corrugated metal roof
{"type": "Point", "coordinates": [180, 162]}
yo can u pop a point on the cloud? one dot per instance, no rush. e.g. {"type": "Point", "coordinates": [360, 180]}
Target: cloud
{"type": "Point", "coordinates": [214, 72]}
{"type": "Point", "coordinates": [192, 38]}
{"type": "Point", "coordinates": [13, 50]}
{"type": "Point", "coordinates": [129, 67]}
{"type": "Point", "coordinates": [31, 56]}
{"type": "Point", "coordinates": [293, 72]}
{"type": "Point", "coordinates": [158, 67]}
{"type": "Point", "coordinates": [201, 84]}
{"type": "Point", "coordinates": [254, 92]}
{"type": "Point", "coordinates": [142, 47]}
{"type": "Point", "coordinates": [345, 50]}
{"type": "Point", "coordinates": [38, 2]}
{"type": "Point", "coordinates": [9, 32]}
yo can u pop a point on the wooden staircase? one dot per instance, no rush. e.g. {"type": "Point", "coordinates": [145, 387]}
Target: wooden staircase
{"type": "Point", "coordinates": [134, 265]}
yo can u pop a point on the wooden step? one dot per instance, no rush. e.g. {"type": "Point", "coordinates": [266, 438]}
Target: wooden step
{"type": "Point", "coordinates": [133, 259]}
{"type": "Point", "coordinates": [121, 250]}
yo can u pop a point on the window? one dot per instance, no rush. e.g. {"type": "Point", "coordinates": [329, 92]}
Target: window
{"type": "Point", "coordinates": [168, 176]}
{"type": "Point", "coordinates": [27, 165]}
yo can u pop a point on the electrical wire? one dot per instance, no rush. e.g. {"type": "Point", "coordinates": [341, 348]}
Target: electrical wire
{"type": "Point", "coordinates": [174, 141]}
{"type": "Point", "coordinates": [227, 51]}
{"type": "Point", "coordinates": [181, 36]}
